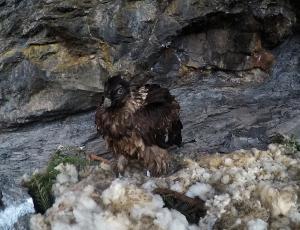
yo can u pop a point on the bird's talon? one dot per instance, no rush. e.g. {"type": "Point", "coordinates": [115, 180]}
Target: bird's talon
{"type": "Point", "coordinates": [94, 157]}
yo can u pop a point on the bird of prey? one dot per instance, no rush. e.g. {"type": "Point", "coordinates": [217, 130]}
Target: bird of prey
{"type": "Point", "coordinates": [139, 122]}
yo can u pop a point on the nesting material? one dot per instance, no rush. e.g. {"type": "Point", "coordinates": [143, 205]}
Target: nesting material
{"type": "Point", "coordinates": [67, 175]}
{"type": "Point", "coordinates": [279, 201]}
{"type": "Point", "coordinates": [201, 190]}
{"type": "Point", "coordinates": [257, 224]}
{"type": "Point", "coordinates": [246, 189]}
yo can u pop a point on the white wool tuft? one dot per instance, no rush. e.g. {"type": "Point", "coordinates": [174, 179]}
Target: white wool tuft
{"type": "Point", "coordinates": [225, 179]}
{"type": "Point", "coordinates": [171, 219]}
{"type": "Point", "coordinates": [294, 215]}
{"type": "Point", "coordinates": [107, 220]}
{"type": "Point", "coordinates": [179, 221]}
{"type": "Point", "coordinates": [218, 204]}
{"type": "Point", "coordinates": [149, 185]}
{"type": "Point", "coordinates": [177, 187]}
{"type": "Point", "coordinates": [273, 148]}
{"type": "Point", "coordinates": [67, 175]}
{"type": "Point", "coordinates": [37, 222]}
{"type": "Point", "coordinates": [228, 162]}
{"type": "Point", "coordinates": [163, 218]}
{"type": "Point", "coordinates": [115, 192]}
{"type": "Point", "coordinates": [149, 208]}
{"type": "Point", "coordinates": [279, 201]}
{"type": "Point", "coordinates": [62, 226]}
{"type": "Point", "coordinates": [257, 224]}
{"type": "Point", "coordinates": [260, 182]}
{"type": "Point", "coordinates": [201, 190]}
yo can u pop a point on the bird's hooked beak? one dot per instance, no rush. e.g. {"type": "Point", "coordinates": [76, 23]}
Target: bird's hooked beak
{"type": "Point", "coordinates": [106, 102]}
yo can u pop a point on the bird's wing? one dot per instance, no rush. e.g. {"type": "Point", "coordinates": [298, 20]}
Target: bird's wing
{"type": "Point", "coordinates": [99, 119]}
{"type": "Point", "coordinates": [113, 123]}
{"type": "Point", "coordinates": [158, 119]}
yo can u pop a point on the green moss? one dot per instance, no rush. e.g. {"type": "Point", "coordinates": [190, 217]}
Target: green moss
{"type": "Point", "coordinates": [293, 144]}
{"type": "Point", "coordinates": [40, 184]}
{"type": "Point", "coordinates": [290, 143]}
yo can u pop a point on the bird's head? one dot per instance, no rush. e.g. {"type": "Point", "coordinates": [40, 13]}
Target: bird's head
{"type": "Point", "coordinates": [116, 92]}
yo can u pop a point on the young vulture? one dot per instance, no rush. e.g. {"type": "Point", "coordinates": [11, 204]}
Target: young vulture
{"type": "Point", "coordinates": [139, 123]}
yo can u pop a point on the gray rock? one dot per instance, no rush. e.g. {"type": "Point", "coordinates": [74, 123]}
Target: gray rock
{"type": "Point", "coordinates": [233, 65]}
{"type": "Point", "coordinates": [221, 111]}
{"type": "Point", "coordinates": [1, 201]}
{"type": "Point", "coordinates": [53, 51]}
{"type": "Point", "coordinates": [212, 54]}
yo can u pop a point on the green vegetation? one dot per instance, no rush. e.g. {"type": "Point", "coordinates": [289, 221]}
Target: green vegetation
{"type": "Point", "coordinates": [290, 143]}
{"type": "Point", "coordinates": [40, 184]}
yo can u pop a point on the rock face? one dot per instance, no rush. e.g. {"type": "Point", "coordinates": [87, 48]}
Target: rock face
{"type": "Point", "coordinates": [1, 201]}
{"type": "Point", "coordinates": [220, 58]}
{"type": "Point", "coordinates": [233, 66]}
{"type": "Point", "coordinates": [54, 55]}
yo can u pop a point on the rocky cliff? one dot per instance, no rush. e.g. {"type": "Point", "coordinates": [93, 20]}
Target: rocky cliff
{"type": "Point", "coordinates": [55, 54]}
{"type": "Point", "coordinates": [232, 64]}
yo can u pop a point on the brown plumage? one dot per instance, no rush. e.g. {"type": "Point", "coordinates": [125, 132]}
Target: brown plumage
{"type": "Point", "coordinates": [139, 123]}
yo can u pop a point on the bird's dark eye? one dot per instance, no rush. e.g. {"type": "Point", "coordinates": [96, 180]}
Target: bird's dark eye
{"type": "Point", "coordinates": [120, 91]}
